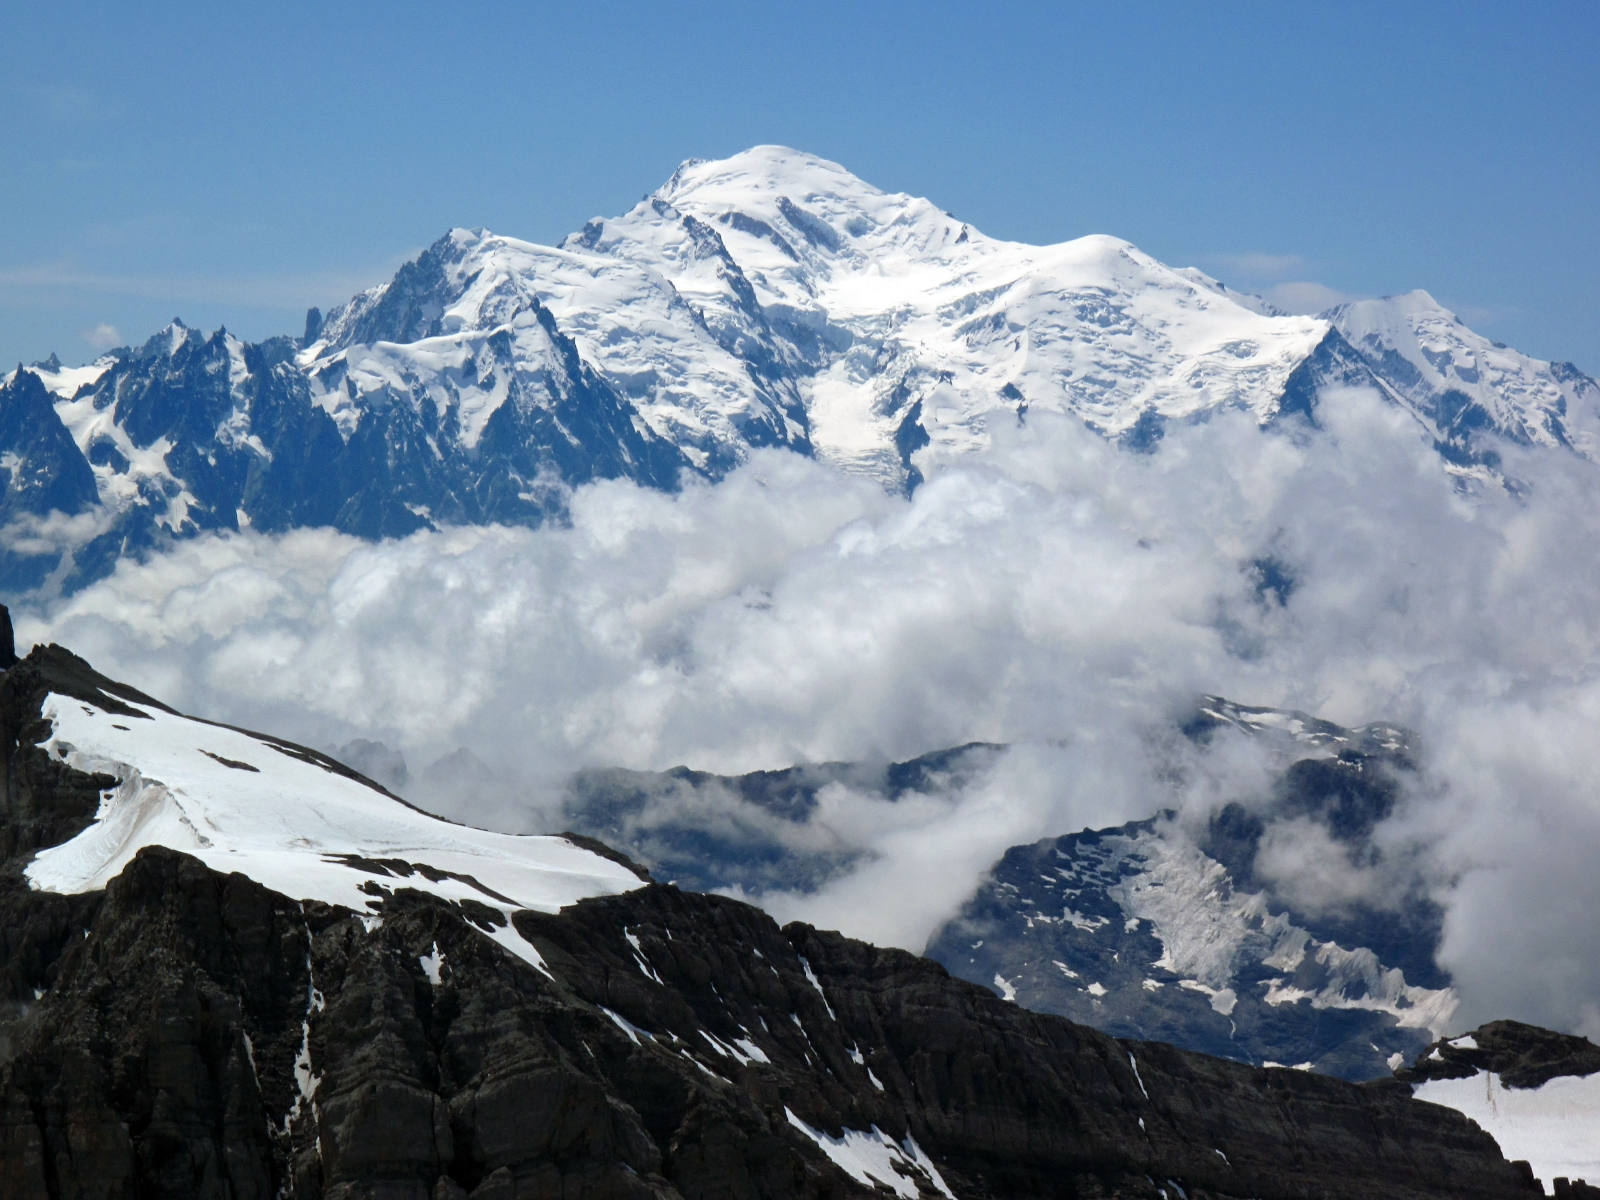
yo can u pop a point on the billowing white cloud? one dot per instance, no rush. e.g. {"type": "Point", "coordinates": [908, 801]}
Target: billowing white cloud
{"type": "Point", "coordinates": [1054, 592]}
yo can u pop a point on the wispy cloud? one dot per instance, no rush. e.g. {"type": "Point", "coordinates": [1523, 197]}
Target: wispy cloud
{"type": "Point", "coordinates": [1273, 277]}
{"type": "Point", "coordinates": [67, 103]}
{"type": "Point", "coordinates": [104, 337]}
{"type": "Point", "coordinates": [1307, 296]}
{"type": "Point", "coordinates": [1479, 316]}
{"type": "Point", "coordinates": [1255, 264]}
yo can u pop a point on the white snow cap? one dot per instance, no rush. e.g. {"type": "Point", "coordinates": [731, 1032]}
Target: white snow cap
{"type": "Point", "coordinates": [875, 301]}
{"type": "Point", "coordinates": [1092, 326]}
{"type": "Point", "coordinates": [870, 313]}
{"type": "Point", "coordinates": [243, 803]}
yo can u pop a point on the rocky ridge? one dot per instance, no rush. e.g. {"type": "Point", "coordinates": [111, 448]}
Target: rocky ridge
{"type": "Point", "coordinates": [1523, 1056]}
{"type": "Point", "coordinates": [753, 833]}
{"type": "Point", "coordinates": [186, 1031]}
{"type": "Point", "coordinates": [1535, 1091]}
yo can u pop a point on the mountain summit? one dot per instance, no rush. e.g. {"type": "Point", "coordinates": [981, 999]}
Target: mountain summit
{"type": "Point", "coordinates": [771, 299]}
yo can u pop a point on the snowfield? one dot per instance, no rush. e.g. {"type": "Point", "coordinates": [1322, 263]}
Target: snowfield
{"type": "Point", "coordinates": [247, 804]}
{"type": "Point", "coordinates": [1555, 1127]}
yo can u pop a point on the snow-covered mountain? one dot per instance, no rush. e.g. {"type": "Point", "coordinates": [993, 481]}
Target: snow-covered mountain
{"type": "Point", "coordinates": [1186, 930]}
{"type": "Point", "coordinates": [293, 820]}
{"type": "Point", "coordinates": [1161, 930]}
{"type": "Point", "coordinates": [1459, 383]}
{"type": "Point", "coordinates": [768, 299]}
{"type": "Point", "coordinates": [1138, 931]}
{"type": "Point", "coordinates": [189, 433]}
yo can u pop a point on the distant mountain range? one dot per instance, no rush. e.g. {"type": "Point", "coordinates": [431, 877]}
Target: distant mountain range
{"type": "Point", "coordinates": [767, 300]}
{"type": "Point", "coordinates": [1158, 929]}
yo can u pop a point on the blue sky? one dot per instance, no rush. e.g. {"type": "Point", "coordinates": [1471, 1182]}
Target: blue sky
{"type": "Point", "coordinates": [234, 167]}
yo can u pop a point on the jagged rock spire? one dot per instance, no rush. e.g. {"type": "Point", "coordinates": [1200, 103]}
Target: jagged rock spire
{"type": "Point", "coordinates": [8, 641]}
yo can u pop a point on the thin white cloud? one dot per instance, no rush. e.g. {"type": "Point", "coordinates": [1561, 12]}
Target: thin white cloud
{"type": "Point", "coordinates": [1305, 297]}
{"type": "Point", "coordinates": [104, 337]}
{"type": "Point", "coordinates": [1266, 274]}
{"type": "Point", "coordinates": [1256, 266]}
{"type": "Point", "coordinates": [1479, 316]}
{"type": "Point", "coordinates": [289, 290]}
{"type": "Point", "coordinates": [72, 104]}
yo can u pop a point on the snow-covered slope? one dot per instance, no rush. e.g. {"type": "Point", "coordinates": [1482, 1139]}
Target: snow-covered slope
{"type": "Point", "coordinates": [1535, 1091]}
{"type": "Point", "coordinates": [921, 320]}
{"type": "Point", "coordinates": [66, 381]}
{"type": "Point", "coordinates": [1555, 1127]}
{"type": "Point", "coordinates": [291, 821]}
{"type": "Point", "coordinates": [455, 327]}
{"type": "Point", "coordinates": [1459, 382]}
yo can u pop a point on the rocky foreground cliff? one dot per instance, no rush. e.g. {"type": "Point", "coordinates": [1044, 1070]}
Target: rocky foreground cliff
{"type": "Point", "coordinates": [186, 1031]}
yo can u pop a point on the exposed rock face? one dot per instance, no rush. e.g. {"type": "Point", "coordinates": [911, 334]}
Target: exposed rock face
{"type": "Point", "coordinates": [1524, 1056]}
{"type": "Point", "coordinates": [196, 1035]}
{"type": "Point", "coordinates": [171, 1059]}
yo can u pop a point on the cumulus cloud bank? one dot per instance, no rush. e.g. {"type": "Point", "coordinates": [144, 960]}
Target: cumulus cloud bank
{"type": "Point", "coordinates": [1054, 593]}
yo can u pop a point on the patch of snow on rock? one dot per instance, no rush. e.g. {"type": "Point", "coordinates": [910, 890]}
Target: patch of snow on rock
{"type": "Point", "coordinates": [239, 802]}
{"type": "Point", "coordinates": [1555, 1127]}
{"type": "Point", "coordinates": [873, 1158]}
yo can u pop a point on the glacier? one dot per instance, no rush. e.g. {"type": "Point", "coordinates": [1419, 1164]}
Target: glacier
{"type": "Point", "coordinates": [293, 820]}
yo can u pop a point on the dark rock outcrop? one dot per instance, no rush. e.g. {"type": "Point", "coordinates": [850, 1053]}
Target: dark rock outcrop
{"type": "Point", "coordinates": [1524, 1056]}
{"type": "Point", "coordinates": [8, 640]}
{"type": "Point", "coordinates": [209, 1038]}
